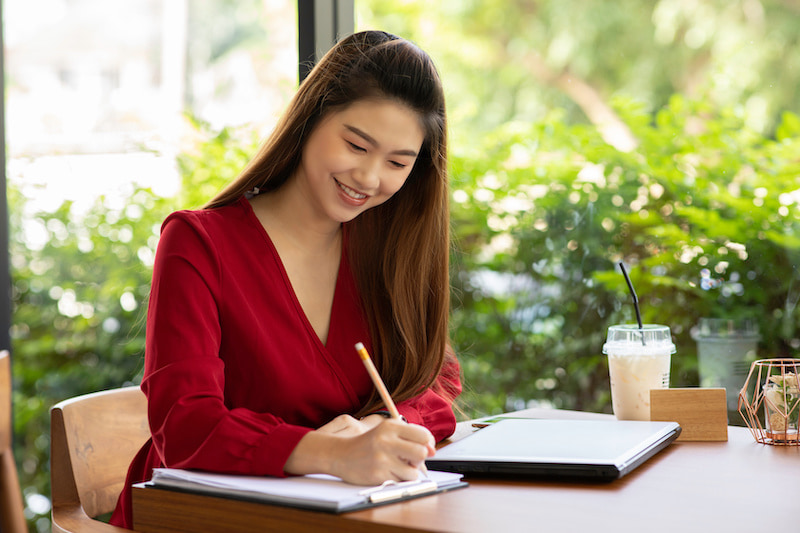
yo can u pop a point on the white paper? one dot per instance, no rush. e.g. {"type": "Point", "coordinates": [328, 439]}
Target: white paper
{"type": "Point", "coordinates": [316, 490]}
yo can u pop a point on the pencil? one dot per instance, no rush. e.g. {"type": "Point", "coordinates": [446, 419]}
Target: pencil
{"type": "Point", "coordinates": [384, 393]}
{"type": "Point", "coordinates": [376, 379]}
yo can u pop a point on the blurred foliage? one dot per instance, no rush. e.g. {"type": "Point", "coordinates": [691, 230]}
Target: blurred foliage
{"type": "Point", "coordinates": [704, 214]}
{"type": "Point", "coordinates": [212, 161]}
{"type": "Point", "coordinates": [704, 211]}
{"type": "Point", "coordinates": [516, 60]}
{"type": "Point", "coordinates": [544, 208]}
{"type": "Point", "coordinates": [80, 291]}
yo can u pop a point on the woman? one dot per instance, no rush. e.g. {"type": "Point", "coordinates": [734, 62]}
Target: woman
{"type": "Point", "coordinates": [336, 233]}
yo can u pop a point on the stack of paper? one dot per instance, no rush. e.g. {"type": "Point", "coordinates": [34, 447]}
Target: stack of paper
{"type": "Point", "coordinates": [318, 491]}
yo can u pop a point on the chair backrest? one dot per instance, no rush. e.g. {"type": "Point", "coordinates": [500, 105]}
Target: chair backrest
{"type": "Point", "coordinates": [12, 518]}
{"type": "Point", "coordinates": [93, 439]}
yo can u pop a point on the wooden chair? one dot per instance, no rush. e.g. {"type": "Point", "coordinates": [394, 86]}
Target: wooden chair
{"type": "Point", "coordinates": [12, 519]}
{"type": "Point", "coordinates": [93, 440]}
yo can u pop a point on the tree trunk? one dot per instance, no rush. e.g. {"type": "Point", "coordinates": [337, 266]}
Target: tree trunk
{"type": "Point", "coordinates": [613, 130]}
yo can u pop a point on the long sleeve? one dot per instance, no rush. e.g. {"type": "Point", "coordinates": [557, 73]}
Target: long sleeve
{"type": "Point", "coordinates": [192, 424]}
{"type": "Point", "coordinates": [434, 407]}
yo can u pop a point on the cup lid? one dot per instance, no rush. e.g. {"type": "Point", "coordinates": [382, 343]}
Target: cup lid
{"type": "Point", "coordinates": [649, 338]}
{"type": "Point", "coordinates": [706, 328]}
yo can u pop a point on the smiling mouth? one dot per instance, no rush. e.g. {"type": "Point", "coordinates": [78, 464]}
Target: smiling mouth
{"type": "Point", "coordinates": [352, 193]}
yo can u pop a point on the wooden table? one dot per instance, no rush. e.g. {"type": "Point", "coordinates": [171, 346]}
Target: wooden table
{"type": "Point", "coordinates": [734, 486]}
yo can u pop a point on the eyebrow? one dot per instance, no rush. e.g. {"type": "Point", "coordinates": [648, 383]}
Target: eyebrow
{"type": "Point", "coordinates": [371, 140]}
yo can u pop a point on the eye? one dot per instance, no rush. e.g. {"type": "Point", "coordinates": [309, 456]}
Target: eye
{"type": "Point", "coordinates": [356, 147]}
{"type": "Point", "coordinates": [397, 164]}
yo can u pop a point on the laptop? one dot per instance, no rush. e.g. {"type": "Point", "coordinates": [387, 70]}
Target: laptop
{"type": "Point", "coordinates": [601, 450]}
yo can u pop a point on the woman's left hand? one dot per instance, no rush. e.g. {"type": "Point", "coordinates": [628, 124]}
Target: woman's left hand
{"type": "Point", "coordinates": [347, 426]}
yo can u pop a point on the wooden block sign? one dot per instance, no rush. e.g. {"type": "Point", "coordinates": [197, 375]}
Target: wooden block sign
{"type": "Point", "coordinates": [701, 413]}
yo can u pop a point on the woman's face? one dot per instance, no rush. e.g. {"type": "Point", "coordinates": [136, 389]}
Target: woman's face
{"type": "Point", "coordinates": [357, 158]}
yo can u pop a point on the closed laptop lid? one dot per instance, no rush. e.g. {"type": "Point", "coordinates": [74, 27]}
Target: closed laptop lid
{"type": "Point", "coordinates": [594, 449]}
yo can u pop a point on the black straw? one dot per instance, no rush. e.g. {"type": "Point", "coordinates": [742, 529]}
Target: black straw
{"type": "Point", "coordinates": [635, 299]}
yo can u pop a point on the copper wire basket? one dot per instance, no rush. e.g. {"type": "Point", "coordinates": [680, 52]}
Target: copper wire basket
{"type": "Point", "coordinates": [769, 401]}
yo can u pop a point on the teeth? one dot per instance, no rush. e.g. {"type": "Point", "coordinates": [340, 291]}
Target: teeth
{"type": "Point", "coordinates": [350, 192]}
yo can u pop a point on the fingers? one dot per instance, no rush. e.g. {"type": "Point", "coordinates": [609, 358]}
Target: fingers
{"type": "Point", "coordinates": [347, 448]}
{"type": "Point", "coordinates": [406, 444]}
{"type": "Point", "coordinates": [370, 421]}
{"type": "Point", "coordinates": [420, 435]}
{"type": "Point", "coordinates": [405, 472]}
{"type": "Point", "coordinates": [392, 450]}
{"type": "Point", "coordinates": [344, 425]}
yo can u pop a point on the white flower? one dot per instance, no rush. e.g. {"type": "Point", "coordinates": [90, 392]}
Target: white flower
{"type": "Point", "coordinates": [789, 382]}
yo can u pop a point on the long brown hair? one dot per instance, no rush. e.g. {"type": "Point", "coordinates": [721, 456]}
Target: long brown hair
{"type": "Point", "coordinates": [399, 250]}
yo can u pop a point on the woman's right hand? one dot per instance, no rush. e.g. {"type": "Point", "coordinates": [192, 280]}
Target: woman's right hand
{"type": "Point", "coordinates": [392, 450]}
{"type": "Point", "coordinates": [363, 455]}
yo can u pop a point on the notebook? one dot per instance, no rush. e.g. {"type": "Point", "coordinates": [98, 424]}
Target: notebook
{"type": "Point", "coordinates": [601, 450]}
{"type": "Point", "coordinates": [318, 491]}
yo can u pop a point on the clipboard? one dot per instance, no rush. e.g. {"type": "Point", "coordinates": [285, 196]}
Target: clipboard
{"type": "Point", "coordinates": [319, 492]}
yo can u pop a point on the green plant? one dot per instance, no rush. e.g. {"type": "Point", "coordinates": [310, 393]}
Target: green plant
{"type": "Point", "coordinates": [79, 293]}
{"type": "Point", "coordinates": [543, 214]}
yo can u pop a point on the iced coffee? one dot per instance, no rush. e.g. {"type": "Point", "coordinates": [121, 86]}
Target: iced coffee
{"type": "Point", "coordinates": [638, 360]}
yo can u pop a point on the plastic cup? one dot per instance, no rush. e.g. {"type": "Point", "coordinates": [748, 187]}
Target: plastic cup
{"type": "Point", "coordinates": [638, 360]}
{"type": "Point", "coordinates": [725, 350]}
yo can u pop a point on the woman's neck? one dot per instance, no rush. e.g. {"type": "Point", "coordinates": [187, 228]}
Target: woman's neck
{"type": "Point", "coordinates": [292, 222]}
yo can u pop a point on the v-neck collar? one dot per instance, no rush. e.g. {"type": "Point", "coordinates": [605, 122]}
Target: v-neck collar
{"type": "Point", "coordinates": [287, 281]}
{"type": "Point", "coordinates": [340, 291]}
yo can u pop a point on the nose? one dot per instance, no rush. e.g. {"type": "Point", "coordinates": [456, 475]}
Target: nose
{"type": "Point", "coordinates": [366, 176]}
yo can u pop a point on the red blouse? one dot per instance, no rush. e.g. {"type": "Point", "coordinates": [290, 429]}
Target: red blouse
{"type": "Point", "coordinates": [235, 375]}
